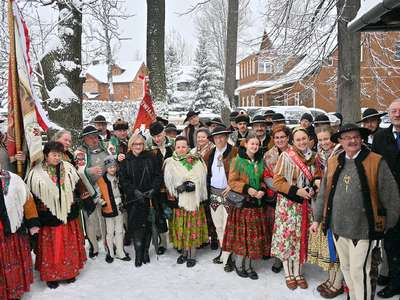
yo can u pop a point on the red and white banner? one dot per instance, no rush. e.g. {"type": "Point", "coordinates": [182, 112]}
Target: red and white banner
{"type": "Point", "coordinates": [33, 118]}
{"type": "Point", "coordinates": [146, 114]}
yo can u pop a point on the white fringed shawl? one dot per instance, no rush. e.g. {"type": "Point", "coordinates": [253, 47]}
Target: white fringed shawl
{"type": "Point", "coordinates": [15, 199]}
{"type": "Point", "coordinates": [175, 174]}
{"type": "Point", "coordinates": [41, 185]}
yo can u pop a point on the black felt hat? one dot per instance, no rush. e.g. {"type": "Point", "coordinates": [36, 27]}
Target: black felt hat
{"type": "Point", "coordinates": [278, 117]}
{"type": "Point", "coordinates": [190, 114]}
{"type": "Point", "coordinates": [371, 113]}
{"type": "Point", "coordinates": [120, 125]}
{"type": "Point", "coordinates": [322, 119]}
{"type": "Point", "coordinates": [172, 127]}
{"type": "Point", "coordinates": [269, 113]}
{"type": "Point", "coordinates": [258, 119]}
{"type": "Point", "coordinates": [217, 121]}
{"type": "Point", "coordinates": [156, 128]}
{"type": "Point", "coordinates": [88, 130]}
{"type": "Point", "coordinates": [100, 119]}
{"type": "Point", "coordinates": [220, 130]}
{"type": "Point", "coordinates": [350, 127]}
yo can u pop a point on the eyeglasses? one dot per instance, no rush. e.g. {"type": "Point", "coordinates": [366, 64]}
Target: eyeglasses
{"type": "Point", "coordinates": [350, 138]}
{"type": "Point", "coordinates": [137, 144]}
{"type": "Point", "coordinates": [394, 111]}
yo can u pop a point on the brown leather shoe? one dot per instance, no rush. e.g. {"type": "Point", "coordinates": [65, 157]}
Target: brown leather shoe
{"type": "Point", "coordinates": [323, 286]}
{"type": "Point", "coordinates": [301, 282]}
{"type": "Point", "coordinates": [331, 292]}
{"type": "Point", "coordinates": [291, 282]}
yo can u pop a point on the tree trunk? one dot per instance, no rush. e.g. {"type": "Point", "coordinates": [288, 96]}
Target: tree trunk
{"type": "Point", "coordinates": [348, 72]}
{"type": "Point", "coordinates": [155, 49]}
{"type": "Point", "coordinates": [230, 51]}
{"type": "Point", "coordinates": [110, 63]}
{"type": "Point", "coordinates": [62, 68]}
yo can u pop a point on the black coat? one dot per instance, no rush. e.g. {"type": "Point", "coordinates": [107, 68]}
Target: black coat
{"type": "Point", "coordinates": [142, 173]}
{"type": "Point", "coordinates": [385, 144]}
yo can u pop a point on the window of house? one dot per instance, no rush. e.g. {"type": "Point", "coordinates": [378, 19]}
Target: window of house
{"type": "Point", "coordinates": [264, 67]}
{"type": "Point", "coordinates": [253, 100]}
{"type": "Point", "coordinates": [397, 50]}
{"type": "Point", "coordinates": [247, 101]}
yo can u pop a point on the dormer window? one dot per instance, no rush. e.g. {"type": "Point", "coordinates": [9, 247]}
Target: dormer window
{"type": "Point", "coordinates": [265, 67]}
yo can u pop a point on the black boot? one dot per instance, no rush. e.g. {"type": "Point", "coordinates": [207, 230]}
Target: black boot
{"type": "Point", "coordinates": [138, 243]}
{"type": "Point", "coordinates": [147, 241]}
{"type": "Point", "coordinates": [53, 284]}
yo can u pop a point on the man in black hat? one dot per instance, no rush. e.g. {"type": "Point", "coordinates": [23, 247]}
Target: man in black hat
{"type": "Point", "coordinates": [218, 160]}
{"type": "Point", "coordinates": [100, 123]}
{"type": "Point", "coordinates": [118, 143]}
{"type": "Point", "coordinates": [268, 117]}
{"type": "Point", "coordinates": [232, 117]}
{"type": "Point", "coordinates": [242, 121]}
{"type": "Point", "coordinates": [161, 148]}
{"type": "Point", "coordinates": [278, 119]}
{"type": "Point", "coordinates": [194, 123]}
{"type": "Point", "coordinates": [89, 157]}
{"type": "Point", "coordinates": [172, 131]}
{"type": "Point", "coordinates": [387, 143]}
{"type": "Point", "coordinates": [259, 126]}
{"type": "Point", "coordinates": [371, 119]}
{"type": "Point", "coordinates": [358, 202]}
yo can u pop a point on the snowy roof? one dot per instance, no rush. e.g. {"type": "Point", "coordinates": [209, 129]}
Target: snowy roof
{"type": "Point", "coordinates": [130, 69]}
{"type": "Point", "coordinates": [377, 15]}
{"type": "Point", "coordinates": [186, 75]}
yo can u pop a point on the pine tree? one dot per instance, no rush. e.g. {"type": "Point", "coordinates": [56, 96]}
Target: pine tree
{"type": "Point", "coordinates": [172, 72]}
{"type": "Point", "coordinates": [207, 83]}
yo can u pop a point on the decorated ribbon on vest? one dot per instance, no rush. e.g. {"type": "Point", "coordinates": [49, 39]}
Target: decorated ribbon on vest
{"type": "Point", "coordinates": [304, 208]}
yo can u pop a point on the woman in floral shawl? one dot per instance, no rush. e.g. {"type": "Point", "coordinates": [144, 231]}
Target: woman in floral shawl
{"type": "Point", "coordinates": [203, 143]}
{"type": "Point", "coordinates": [321, 250]}
{"type": "Point", "coordinates": [294, 176]}
{"type": "Point", "coordinates": [246, 228]}
{"type": "Point", "coordinates": [185, 179]}
{"type": "Point", "coordinates": [281, 135]}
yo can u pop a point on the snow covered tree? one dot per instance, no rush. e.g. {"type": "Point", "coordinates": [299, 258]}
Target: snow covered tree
{"type": "Point", "coordinates": [62, 67]}
{"type": "Point", "coordinates": [207, 82]}
{"type": "Point", "coordinates": [172, 73]}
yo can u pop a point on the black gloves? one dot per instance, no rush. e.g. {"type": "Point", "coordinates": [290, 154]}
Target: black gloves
{"type": "Point", "coordinates": [187, 186]}
{"type": "Point", "coordinates": [88, 205]}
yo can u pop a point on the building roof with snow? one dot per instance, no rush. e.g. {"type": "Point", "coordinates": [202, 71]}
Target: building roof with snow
{"type": "Point", "coordinates": [377, 15]}
{"type": "Point", "coordinates": [129, 71]}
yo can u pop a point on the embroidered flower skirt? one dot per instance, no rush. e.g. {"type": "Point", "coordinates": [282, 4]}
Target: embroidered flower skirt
{"type": "Point", "coordinates": [318, 251]}
{"type": "Point", "coordinates": [61, 252]}
{"type": "Point", "coordinates": [246, 232]}
{"type": "Point", "coordinates": [188, 228]}
{"type": "Point", "coordinates": [16, 273]}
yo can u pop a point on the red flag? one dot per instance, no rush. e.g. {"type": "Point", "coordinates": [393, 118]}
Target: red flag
{"type": "Point", "coordinates": [146, 114]}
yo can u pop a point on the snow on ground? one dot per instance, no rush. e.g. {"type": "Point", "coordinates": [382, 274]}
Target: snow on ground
{"type": "Point", "coordinates": [163, 279]}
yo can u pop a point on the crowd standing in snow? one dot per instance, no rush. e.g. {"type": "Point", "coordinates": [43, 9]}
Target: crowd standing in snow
{"type": "Point", "coordinates": [255, 189]}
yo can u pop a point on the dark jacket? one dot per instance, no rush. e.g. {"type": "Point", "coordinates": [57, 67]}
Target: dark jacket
{"type": "Point", "coordinates": [142, 173]}
{"type": "Point", "coordinates": [385, 144]}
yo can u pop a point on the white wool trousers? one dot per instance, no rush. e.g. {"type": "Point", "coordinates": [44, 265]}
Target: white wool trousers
{"type": "Point", "coordinates": [220, 217]}
{"type": "Point", "coordinates": [115, 236]}
{"type": "Point", "coordinates": [355, 263]}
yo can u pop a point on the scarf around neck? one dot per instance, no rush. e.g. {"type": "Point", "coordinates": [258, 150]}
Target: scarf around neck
{"type": "Point", "coordinates": [187, 160]}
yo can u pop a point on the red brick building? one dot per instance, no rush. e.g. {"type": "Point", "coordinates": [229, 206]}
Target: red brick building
{"type": "Point", "coordinates": [269, 78]}
{"type": "Point", "coordinates": [126, 82]}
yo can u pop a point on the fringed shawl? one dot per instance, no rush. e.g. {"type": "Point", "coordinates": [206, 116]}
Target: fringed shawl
{"type": "Point", "coordinates": [252, 169]}
{"type": "Point", "coordinates": [57, 199]}
{"type": "Point", "coordinates": [175, 173]}
{"type": "Point", "coordinates": [15, 196]}
{"type": "Point", "coordinates": [287, 168]}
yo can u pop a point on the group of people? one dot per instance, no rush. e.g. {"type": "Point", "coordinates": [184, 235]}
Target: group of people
{"type": "Point", "coordinates": [255, 189]}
